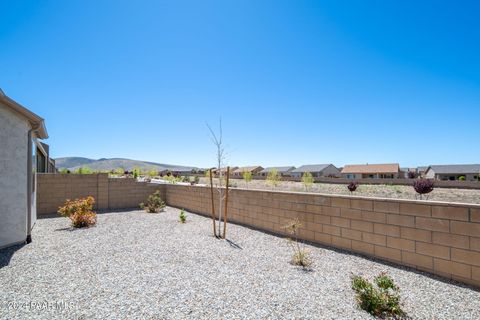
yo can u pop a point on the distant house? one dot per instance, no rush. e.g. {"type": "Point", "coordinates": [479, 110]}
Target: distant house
{"type": "Point", "coordinates": [21, 157]}
{"type": "Point", "coordinates": [371, 171]}
{"type": "Point", "coordinates": [282, 171]}
{"type": "Point", "coordinates": [223, 171]}
{"type": "Point", "coordinates": [405, 173]}
{"type": "Point", "coordinates": [254, 170]}
{"type": "Point", "coordinates": [421, 171]}
{"type": "Point", "coordinates": [183, 171]}
{"type": "Point", "coordinates": [471, 172]}
{"type": "Point", "coordinates": [317, 170]}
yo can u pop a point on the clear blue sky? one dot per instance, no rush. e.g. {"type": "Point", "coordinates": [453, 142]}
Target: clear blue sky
{"type": "Point", "coordinates": [295, 82]}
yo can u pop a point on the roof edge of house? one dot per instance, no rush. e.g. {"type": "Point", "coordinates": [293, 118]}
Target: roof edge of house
{"type": "Point", "coordinates": [37, 122]}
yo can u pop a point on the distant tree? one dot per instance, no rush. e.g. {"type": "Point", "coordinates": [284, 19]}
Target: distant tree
{"type": "Point", "coordinates": [136, 172]}
{"type": "Point", "coordinates": [247, 176]}
{"type": "Point", "coordinates": [119, 171]}
{"type": "Point", "coordinates": [307, 180]}
{"type": "Point", "coordinates": [412, 174]}
{"type": "Point", "coordinates": [84, 170]}
{"type": "Point", "coordinates": [64, 171]}
{"type": "Point", "coordinates": [152, 173]}
{"type": "Point", "coordinates": [273, 178]}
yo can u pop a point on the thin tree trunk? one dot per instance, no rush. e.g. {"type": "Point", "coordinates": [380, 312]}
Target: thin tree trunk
{"type": "Point", "coordinates": [213, 204]}
{"type": "Point", "coordinates": [226, 205]}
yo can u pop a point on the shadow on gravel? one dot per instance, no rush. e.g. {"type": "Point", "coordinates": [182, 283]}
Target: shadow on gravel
{"type": "Point", "coordinates": [65, 229]}
{"type": "Point", "coordinates": [7, 254]}
{"type": "Point", "coordinates": [234, 245]}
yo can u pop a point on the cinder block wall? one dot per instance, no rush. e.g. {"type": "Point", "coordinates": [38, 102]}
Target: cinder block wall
{"type": "Point", "coordinates": [439, 238]}
{"type": "Point", "coordinates": [55, 189]}
{"type": "Point", "coordinates": [127, 193]}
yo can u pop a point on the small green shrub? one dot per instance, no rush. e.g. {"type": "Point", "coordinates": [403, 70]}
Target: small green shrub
{"type": "Point", "coordinates": [154, 203]}
{"type": "Point", "coordinates": [247, 177]}
{"type": "Point", "coordinates": [182, 216]}
{"type": "Point", "coordinates": [273, 178]}
{"type": "Point", "coordinates": [307, 180]}
{"type": "Point", "coordinates": [461, 178]}
{"type": "Point", "coordinates": [381, 299]}
{"type": "Point", "coordinates": [83, 170]}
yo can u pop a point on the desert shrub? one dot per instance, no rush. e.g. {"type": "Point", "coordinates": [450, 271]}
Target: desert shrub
{"type": "Point", "coordinates": [247, 176]}
{"type": "Point", "coordinates": [423, 187]}
{"type": "Point", "coordinates": [83, 170]}
{"type": "Point", "coordinates": [273, 178]}
{"type": "Point", "coordinates": [381, 299]}
{"type": "Point", "coordinates": [172, 179]}
{"type": "Point", "coordinates": [301, 255]}
{"type": "Point", "coordinates": [461, 178]}
{"type": "Point", "coordinates": [352, 186]}
{"type": "Point", "coordinates": [80, 212]}
{"type": "Point", "coordinates": [136, 172]}
{"type": "Point", "coordinates": [307, 180]}
{"type": "Point", "coordinates": [154, 203]}
{"type": "Point", "coordinates": [182, 216]}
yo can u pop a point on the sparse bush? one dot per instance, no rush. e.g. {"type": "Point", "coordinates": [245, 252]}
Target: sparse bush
{"type": "Point", "coordinates": [83, 170]}
{"type": "Point", "coordinates": [461, 178]}
{"type": "Point", "coordinates": [196, 180]}
{"type": "Point", "coordinates": [301, 255]}
{"type": "Point", "coordinates": [422, 187]}
{"type": "Point", "coordinates": [152, 173]}
{"type": "Point", "coordinates": [352, 186]}
{"type": "Point", "coordinates": [307, 180]}
{"type": "Point", "coordinates": [247, 176]}
{"type": "Point", "coordinates": [273, 178]}
{"type": "Point", "coordinates": [80, 212]}
{"type": "Point", "coordinates": [136, 173]}
{"type": "Point", "coordinates": [182, 216]}
{"type": "Point", "coordinates": [154, 203]}
{"type": "Point", "coordinates": [380, 300]}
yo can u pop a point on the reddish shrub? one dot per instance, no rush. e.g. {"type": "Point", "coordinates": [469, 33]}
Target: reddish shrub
{"type": "Point", "coordinates": [352, 186]}
{"type": "Point", "coordinates": [423, 186]}
{"type": "Point", "coordinates": [79, 211]}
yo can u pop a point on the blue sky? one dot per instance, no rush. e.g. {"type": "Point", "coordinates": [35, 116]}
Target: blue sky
{"type": "Point", "coordinates": [295, 82]}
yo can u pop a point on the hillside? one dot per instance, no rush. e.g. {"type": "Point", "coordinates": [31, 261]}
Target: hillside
{"type": "Point", "coordinates": [73, 163]}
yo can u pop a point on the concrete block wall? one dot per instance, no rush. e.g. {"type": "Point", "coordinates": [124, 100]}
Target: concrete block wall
{"type": "Point", "coordinates": [439, 238]}
{"type": "Point", "coordinates": [55, 189]}
{"type": "Point", "coordinates": [128, 193]}
{"type": "Point", "coordinates": [109, 193]}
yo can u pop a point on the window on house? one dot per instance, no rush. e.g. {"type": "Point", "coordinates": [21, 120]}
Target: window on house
{"type": "Point", "coordinates": [41, 161]}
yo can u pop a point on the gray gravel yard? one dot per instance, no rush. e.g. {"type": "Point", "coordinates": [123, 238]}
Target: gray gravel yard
{"type": "Point", "coordinates": [365, 190]}
{"type": "Point", "coordinates": [135, 265]}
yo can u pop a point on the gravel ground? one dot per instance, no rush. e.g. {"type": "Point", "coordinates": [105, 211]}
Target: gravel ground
{"type": "Point", "coordinates": [135, 265]}
{"type": "Point", "coordinates": [382, 191]}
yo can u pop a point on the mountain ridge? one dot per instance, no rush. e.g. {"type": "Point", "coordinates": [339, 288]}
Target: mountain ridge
{"type": "Point", "coordinates": [72, 163]}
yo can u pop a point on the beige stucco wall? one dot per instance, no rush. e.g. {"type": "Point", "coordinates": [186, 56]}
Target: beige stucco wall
{"type": "Point", "coordinates": [13, 177]}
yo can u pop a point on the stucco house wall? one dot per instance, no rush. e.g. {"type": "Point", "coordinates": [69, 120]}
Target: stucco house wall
{"type": "Point", "coordinates": [13, 177]}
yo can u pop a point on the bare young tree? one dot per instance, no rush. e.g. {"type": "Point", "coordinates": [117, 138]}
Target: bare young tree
{"type": "Point", "coordinates": [217, 139]}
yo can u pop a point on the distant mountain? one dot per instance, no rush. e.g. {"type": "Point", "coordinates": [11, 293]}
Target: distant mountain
{"type": "Point", "coordinates": [70, 162]}
{"type": "Point", "coordinates": [73, 163]}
